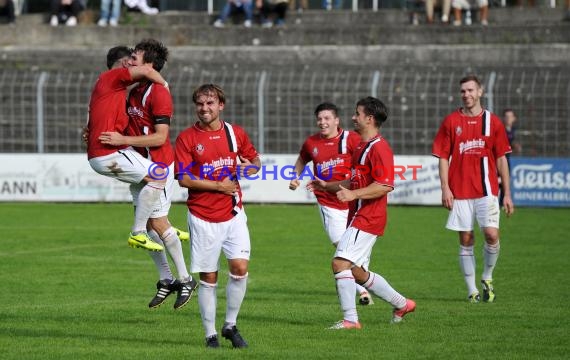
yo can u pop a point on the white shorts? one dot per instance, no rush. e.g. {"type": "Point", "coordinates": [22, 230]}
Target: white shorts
{"type": "Point", "coordinates": [466, 4]}
{"type": "Point", "coordinates": [462, 217]}
{"type": "Point", "coordinates": [209, 239]}
{"type": "Point", "coordinates": [356, 245]}
{"type": "Point", "coordinates": [125, 165]}
{"type": "Point", "coordinates": [163, 206]}
{"type": "Point", "coordinates": [334, 222]}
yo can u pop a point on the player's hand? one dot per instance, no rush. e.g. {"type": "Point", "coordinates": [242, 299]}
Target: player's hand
{"type": "Point", "coordinates": [508, 205]}
{"type": "Point", "coordinates": [85, 134]}
{"type": "Point", "coordinates": [246, 168]}
{"type": "Point", "coordinates": [447, 198]}
{"type": "Point", "coordinates": [227, 186]}
{"type": "Point", "coordinates": [317, 184]}
{"type": "Point", "coordinates": [294, 184]}
{"type": "Point", "coordinates": [112, 138]}
{"type": "Point", "coordinates": [344, 194]}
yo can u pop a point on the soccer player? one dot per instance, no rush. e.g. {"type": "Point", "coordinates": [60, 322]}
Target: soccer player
{"type": "Point", "coordinates": [206, 163]}
{"type": "Point", "coordinates": [367, 192]}
{"type": "Point", "coordinates": [471, 145]}
{"type": "Point", "coordinates": [330, 150]}
{"type": "Point", "coordinates": [107, 112]}
{"type": "Point", "coordinates": [149, 107]}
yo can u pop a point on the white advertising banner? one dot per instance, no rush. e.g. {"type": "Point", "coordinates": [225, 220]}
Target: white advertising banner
{"type": "Point", "coordinates": [68, 177]}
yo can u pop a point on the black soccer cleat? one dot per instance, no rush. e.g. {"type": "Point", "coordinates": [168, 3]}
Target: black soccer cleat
{"type": "Point", "coordinates": [233, 335]}
{"type": "Point", "coordinates": [212, 342]}
{"type": "Point", "coordinates": [165, 287]}
{"type": "Point", "coordinates": [185, 291]}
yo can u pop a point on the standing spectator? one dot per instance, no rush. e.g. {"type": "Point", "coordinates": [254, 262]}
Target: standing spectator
{"type": "Point", "coordinates": [150, 109]}
{"type": "Point", "coordinates": [206, 163]}
{"type": "Point", "coordinates": [445, 7]}
{"type": "Point", "coordinates": [475, 141]}
{"type": "Point", "coordinates": [272, 12]}
{"type": "Point", "coordinates": [233, 7]}
{"type": "Point", "coordinates": [65, 11]}
{"type": "Point", "coordinates": [509, 119]}
{"type": "Point", "coordinates": [107, 112]}
{"type": "Point", "coordinates": [459, 5]}
{"type": "Point", "coordinates": [7, 14]}
{"type": "Point", "coordinates": [331, 151]}
{"type": "Point", "coordinates": [367, 192]}
{"type": "Point", "coordinates": [108, 16]}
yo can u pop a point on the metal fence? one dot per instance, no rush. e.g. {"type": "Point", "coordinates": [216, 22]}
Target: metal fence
{"type": "Point", "coordinates": [43, 111]}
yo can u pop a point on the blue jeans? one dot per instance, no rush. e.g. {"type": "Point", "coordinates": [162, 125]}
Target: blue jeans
{"type": "Point", "coordinates": [106, 9]}
{"type": "Point", "coordinates": [229, 8]}
{"type": "Point", "coordinates": [336, 4]}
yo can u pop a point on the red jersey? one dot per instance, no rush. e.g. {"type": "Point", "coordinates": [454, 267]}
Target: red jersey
{"type": "Point", "coordinates": [473, 143]}
{"type": "Point", "coordinates": [107, 110]}
{"type": "Point", "coordinates": [372, 161]}
{"type": "Point", "coordinates": [148, 105]}
{"type": "Point", "coordinates": [212, 155]}
{"type": "Point", "coordinates": [330, 154]}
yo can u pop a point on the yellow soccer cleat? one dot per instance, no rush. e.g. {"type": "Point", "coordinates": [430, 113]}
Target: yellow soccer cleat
{"type": "Point", "coordinates": [143, 241]}
{"type": "Point", "coordinates": [182, 235]}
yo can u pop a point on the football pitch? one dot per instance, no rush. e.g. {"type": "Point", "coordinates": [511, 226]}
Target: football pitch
{"type": "Point", "coordinates": [73, 289]}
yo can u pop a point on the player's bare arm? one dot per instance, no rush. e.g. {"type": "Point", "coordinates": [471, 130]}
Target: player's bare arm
{"type": "Point", "coordinates": [249, 167]}
{"type": "Point", "coordinates": [299, 166]}
{"type": "Point", "coordinates": [446, 194]}
{"type": "Point", "coordinates": [331, 186]}
{"type": "Point", "coordinates": [503, 169]}
{"type": "Point", "coordinates": [156, 139]}
{"type": "Point", "coordinates": [146, 71]}
{"type": "Point", "coordinates": [373, 191]}
{"type": "Point", "coordinates": [225, 186]}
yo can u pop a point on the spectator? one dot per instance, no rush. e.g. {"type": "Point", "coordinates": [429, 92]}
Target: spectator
{"type": "Point", "coordinates": [415, 7]}
{"type": "Point", "coordinates": [445, 7]}
{"type": "Point", "coordinates": [234, 7]}
{"type": "Point", "coordinates": [459, 5]}
{"type": "Point", "coordinates": [299, 5]}
{"type": "Point", "coordinates": [108, 16]}
{"type": "Point", "coordinates": [65, 11]}
{"type": "Point", "coordinates": [141, 5]}
{"type": "Point", "coordinates": [276, 9]}
{"type": "Point", "coordinates": [567, 16]}
{"type": "Point", "coordinates": [7, 15]}
{"type": "Point", "coordinates": [328, 4]}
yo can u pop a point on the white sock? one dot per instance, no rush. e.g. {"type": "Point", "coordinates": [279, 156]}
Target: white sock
{"type": "Point", "coordinates": [174, 248]}
{"type": "Point", "coordinates": [148, 198]}
{"type": "Point", "coordinates": [207, 301]}
{"type": "Point", "coordinates": [235, 292]}
{"type": "Point", "coordinates": [159, 258]}
{"type": "Point", "coordinates": [490, 257]}
{"type": "Point", "coordinates": [360, 289]}
{"type": "Point", "coordinates": [345, 288]}
{"type": "Point", "coordinates": [467, 265]}
{"type": "Point", "coordinates": [380, 287]}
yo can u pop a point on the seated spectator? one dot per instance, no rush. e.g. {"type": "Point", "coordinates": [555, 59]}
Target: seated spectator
{"type": "Point", "coordinates": [445, 7]}
{"type": "Point", "coordinates": [272, 12]}
{"type": "Point", "coordinates": [459, 5]}
{"type": "Point", "coordinates": [234, 7]}
{"type": "Point", "coordinates": [7, 14]}
{"type": "Point", "coordinates": [108, 16]}
{"type": "Point", "coordinates": [328, 4]}
{"type": "Point", "coordinates": [299, 5]}
{"type": "Point", "coordinates": [141, 5]}
{"type": "Point", "coordinates": [65, 12]}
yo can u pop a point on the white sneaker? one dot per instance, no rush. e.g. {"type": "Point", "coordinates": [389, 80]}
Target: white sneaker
{"type": "Point", "coordinates": [267, 25]}
{"type": "Point", "coordinates": [72, 21]}
{"type": "Point", "coordinates": [247, 23]}
{"type": "Point", "coordinates": [102, 22]}
{"type": "Point", "coordinates": [219, 23]}
{"type": "Point", "coordinates": [113, 22]}
{"type": "Point", "coordinates": [444, 18]}
{"type": "Point", "coordinates": [54, 21]}
{"type": "Point", "coordinates": [468, 17]}
{"type": "Point", "coordinates": [456, 22]}
{"type": "Point", "coordinates": [484, 22]}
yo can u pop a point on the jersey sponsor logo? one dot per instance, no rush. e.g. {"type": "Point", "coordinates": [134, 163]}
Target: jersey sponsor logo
{"type": "Point", "coordinates": [135, 111]}
{"type": "Point", "coordinates": [221, 162]}
{"type": "Point", "coordinates": [471, 146]}
{"type": "Point", "coordinates": [458, 130]}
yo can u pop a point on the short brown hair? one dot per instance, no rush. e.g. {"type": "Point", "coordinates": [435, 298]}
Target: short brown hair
{"type": "Point", "coordinates": [207, 89]}
{"type": "Point", "coordinates": [470, 78]}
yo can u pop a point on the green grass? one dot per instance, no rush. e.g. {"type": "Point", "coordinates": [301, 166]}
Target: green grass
{"type": "Point", "coordinates": [72, 289]}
